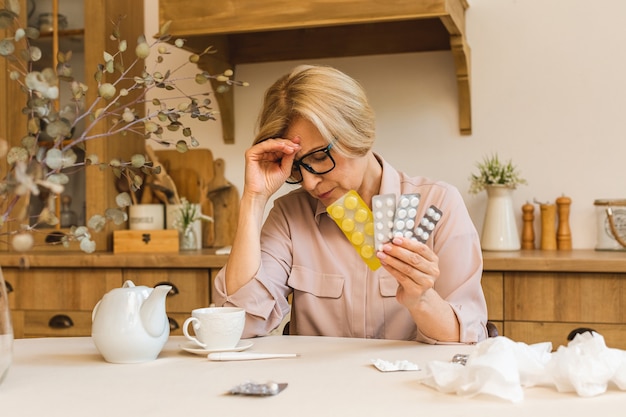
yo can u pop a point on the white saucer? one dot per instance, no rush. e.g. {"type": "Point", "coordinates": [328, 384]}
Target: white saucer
{"type": "Point", "coordinates": [193, 347]}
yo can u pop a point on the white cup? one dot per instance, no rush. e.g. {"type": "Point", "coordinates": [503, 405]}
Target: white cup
{"type": "Point", "coordinates": [216, 327]}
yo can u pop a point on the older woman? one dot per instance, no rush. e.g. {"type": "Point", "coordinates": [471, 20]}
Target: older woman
{"type": "Point", "coordinates": [316, 129]}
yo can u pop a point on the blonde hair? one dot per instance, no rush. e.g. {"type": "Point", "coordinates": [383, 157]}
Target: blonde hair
{"type": "Point", "coordinates": [332, 101]}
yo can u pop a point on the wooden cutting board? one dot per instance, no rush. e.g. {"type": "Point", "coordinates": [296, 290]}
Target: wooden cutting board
{"type": "Point", "coordinates": [225, 199]}
{"type": "Point", "coordinates": [191, 172]}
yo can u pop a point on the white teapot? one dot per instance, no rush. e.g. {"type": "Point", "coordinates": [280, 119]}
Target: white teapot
{"type": "Point", "coordinates": [129, 324]}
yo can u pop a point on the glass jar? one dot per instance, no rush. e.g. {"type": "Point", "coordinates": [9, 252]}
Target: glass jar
{"type": "Point", "coordinates": [188, 239]}
{"type": "Point", "coordinates": [610, 236]}
{"type": "Point", "coordinates": [46, 22]}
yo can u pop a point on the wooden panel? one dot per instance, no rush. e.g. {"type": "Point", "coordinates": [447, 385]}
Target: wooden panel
{"type": "Point", "coordinates": [535, 332]}
{"type": "Point", "coordinates": [192, 286]}
{"type": "Point", "coordinates": [578, 260]}
{"type": "Point", "coordinates": [69, 289]}
{"type": "Point", "coordinates": [492, 283]}
{"type": "Point", "coordinates": [233, 16]}
{"type": "Point", "coordinates": [356, 40]}
{"type": "Point", "coordinates": [100, 190]}
{"type": "Point", "coordinates": [246, 31]}
{"type": "Point", "coordinates": [12, 281]}
{"type": "Point", "coordinates": [17, 319]}
{"type": "Point", "coordinates": [213, 272]}
{"type": "Point", "coordinates": [565, 297]}
{"type": "Point", "coordinates": [37, 323]}
{"type": "Point", "coordinates": [177, 319]}
{"type": "Point", "coordinates": [205, 258]}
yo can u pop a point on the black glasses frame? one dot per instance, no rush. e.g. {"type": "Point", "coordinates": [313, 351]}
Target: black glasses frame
{"type": "Point", "coordinates": [298, 164]}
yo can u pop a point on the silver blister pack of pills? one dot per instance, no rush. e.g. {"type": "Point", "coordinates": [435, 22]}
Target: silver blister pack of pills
{"type": "Point", "coordinates": [404, 218]}
{"type": "Point", "coordinates": [384, 210]}
{"type": "Point", "coordinates": [427, 224]}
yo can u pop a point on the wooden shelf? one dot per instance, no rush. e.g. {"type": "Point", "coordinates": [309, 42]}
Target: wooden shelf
{"type": "Point", "coordinates": [250, 31]}
{"type": "Point", "coordinates": [205, 258]}
{"type": "Point", "coordinates": [556, 261]}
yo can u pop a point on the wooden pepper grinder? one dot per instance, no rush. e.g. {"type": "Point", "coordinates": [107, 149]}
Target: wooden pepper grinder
{"type": "Point", "coordinates": [548, 226]}
{"type": "Point", "coordinates": [528, 230]}
{"type": "Point", "coordinates": [563, 234]}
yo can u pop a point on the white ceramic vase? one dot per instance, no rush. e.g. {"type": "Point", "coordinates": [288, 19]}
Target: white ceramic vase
{"type": "Point", "coordinates": [500, 226]}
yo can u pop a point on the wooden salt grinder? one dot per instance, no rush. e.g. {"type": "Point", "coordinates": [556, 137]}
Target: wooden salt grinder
{"type": "Point", "coordinates": [563, 234]}
{"type": "Point", "coordinates": [548, 225]}
{"type": "Point", "coordinates": [528, 230]}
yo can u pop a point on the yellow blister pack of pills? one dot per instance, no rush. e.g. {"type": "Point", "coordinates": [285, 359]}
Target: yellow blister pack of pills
{"type": "Point", "coordinates": [356, 221]}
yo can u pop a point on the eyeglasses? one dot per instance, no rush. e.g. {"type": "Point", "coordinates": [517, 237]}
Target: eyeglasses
{"type": "Point", "coordinates": [317, 162]}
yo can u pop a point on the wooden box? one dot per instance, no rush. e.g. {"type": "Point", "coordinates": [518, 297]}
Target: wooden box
{"type": "Point", "coordinates": [143, 241]}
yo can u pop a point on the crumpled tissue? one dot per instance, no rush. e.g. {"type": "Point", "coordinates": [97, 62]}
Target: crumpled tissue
{"type": "Point", "coordinates": [503, 368]}
{"type": "Point", "coordinates": [386, 366]}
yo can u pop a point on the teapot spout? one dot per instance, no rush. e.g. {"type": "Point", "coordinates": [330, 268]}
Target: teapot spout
{"type": "Point", "coordinates": [153, 315]}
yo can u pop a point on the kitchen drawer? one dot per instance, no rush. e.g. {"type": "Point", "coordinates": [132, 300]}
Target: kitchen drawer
{"type": "Point", "coordinates": [57, 323]}
{"type": "Point", "coordinates": [61, 289]}
{"type": "Point", "coordinates": [536, 332]}
{"type": "Point", "coordinates": [176, 322]}
{"type": "Point", "coordinates": [17, 319]}
{"type": "Point", "coordinates": [190, 287]}
{"type": "Point", "coordinates": [492, 283]}
{"type": "Point", "coordinates": [565, 297]}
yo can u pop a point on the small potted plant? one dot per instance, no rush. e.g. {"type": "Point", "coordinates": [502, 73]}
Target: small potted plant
{"type": "Point", "coordinates": [493, 172]}
{"type": "Point", "coordinates": [187, 222]}
{"type": "Point", "coordinates": [499, 180]}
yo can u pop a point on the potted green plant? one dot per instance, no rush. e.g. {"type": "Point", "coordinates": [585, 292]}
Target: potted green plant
{"type": "Point", "coordinates": [187, 217]}
{"type": "Point", "coordinates": [491, 171]}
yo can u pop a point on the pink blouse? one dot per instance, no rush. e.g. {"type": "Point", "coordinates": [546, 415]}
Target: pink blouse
{"type": "Point", "coordinates": [304, 253]}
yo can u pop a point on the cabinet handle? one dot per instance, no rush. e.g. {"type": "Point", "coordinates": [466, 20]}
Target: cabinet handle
{"type": "Point", "coordinates": [173, 324]}
{"type": "Point", "coordinates": [9, 287]}
{"type": "Point", "coordinates": [173, 291]}
{"type": "Point", "coordinates": [60, 321]}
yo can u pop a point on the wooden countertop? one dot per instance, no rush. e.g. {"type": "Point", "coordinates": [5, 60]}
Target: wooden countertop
{"type": "Point", "coordinates": [205, 258]}
{"type": "Point", "coordinates": [579, 260]}
{"type": "Point", "coordinates": [523, 260]}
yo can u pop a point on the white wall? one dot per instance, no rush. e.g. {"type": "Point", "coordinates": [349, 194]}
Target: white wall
{"type": "Point", "coordinates": [548, 91]}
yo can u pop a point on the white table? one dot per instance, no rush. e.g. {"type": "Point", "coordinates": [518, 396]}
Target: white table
{"type": "Point", "coordinates": [332, 377]}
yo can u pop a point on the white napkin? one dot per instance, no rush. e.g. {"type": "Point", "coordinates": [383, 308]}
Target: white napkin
{"type": "Point", "coordinates": [587, 366]}
{"type": "Point", "coordinates": [501, 367]}
{"type": "Point", "coordinates": [386, 366]}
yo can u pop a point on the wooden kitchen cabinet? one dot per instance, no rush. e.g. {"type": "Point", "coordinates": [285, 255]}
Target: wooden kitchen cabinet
{"type": "Point", "coordinates": [252, 31]}
{"type": "Point", "coordinates": [54, 302]}
{"type": "Point", "coordinates": [53, 295]}
{"type": "Point", "coordinates": [539, 296]}
{"type": "Point", "coordinates": [92, 26]}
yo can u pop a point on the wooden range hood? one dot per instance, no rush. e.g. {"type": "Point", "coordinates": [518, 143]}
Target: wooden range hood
{"type": "Point", "coordinates": [253, 31]}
